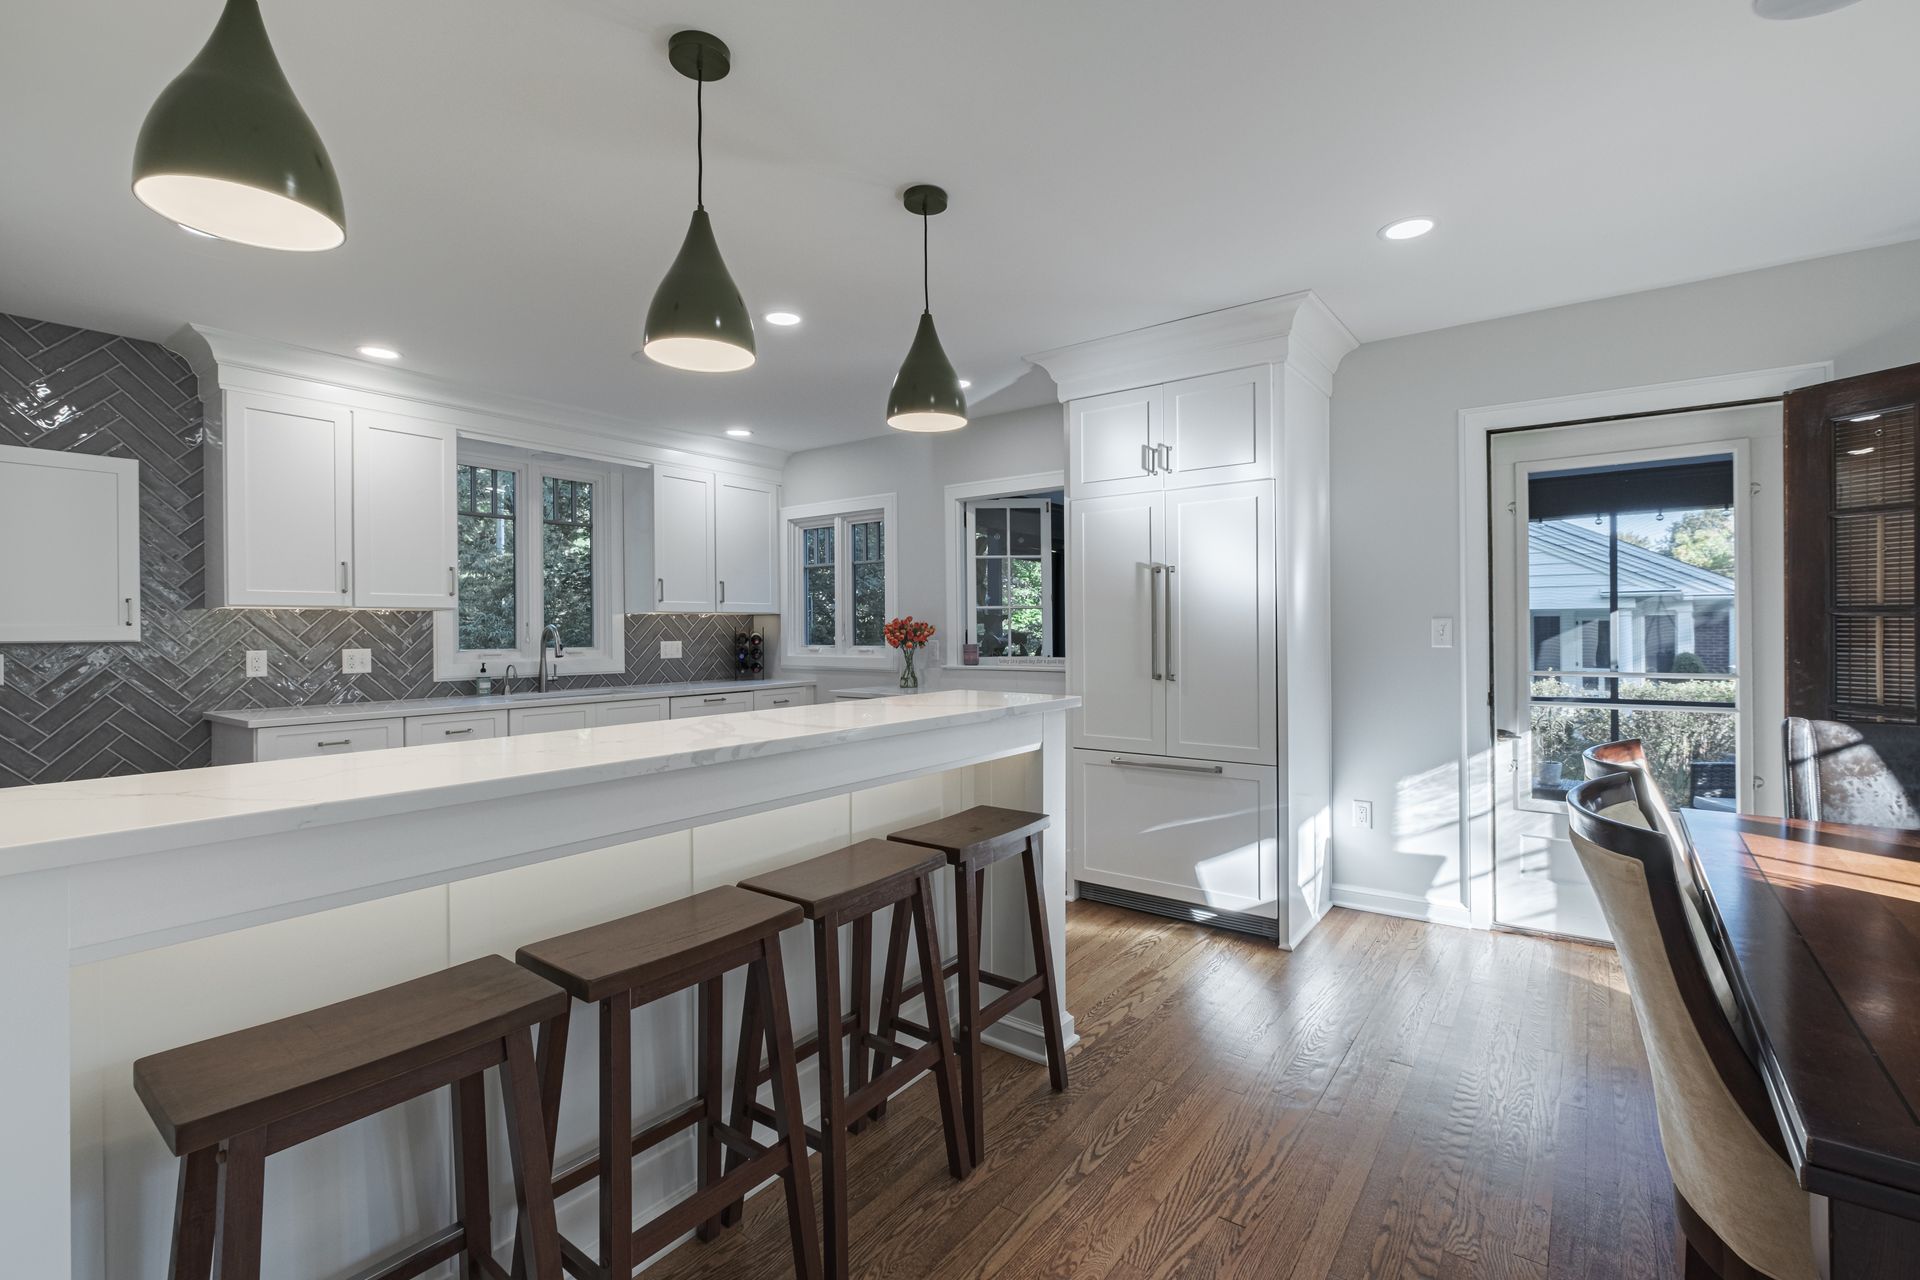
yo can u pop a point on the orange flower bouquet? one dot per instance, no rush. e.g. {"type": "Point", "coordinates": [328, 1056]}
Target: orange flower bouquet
{"type": "Point", "coordinates": [908, 636]}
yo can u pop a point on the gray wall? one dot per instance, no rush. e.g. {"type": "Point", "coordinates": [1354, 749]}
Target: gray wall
{"type": "Point", "coordinates": [1396, 505]}
{"type": "Point", "coordinates": [917, 469]}
{"type": "Point", "coordinates": [87, 711]}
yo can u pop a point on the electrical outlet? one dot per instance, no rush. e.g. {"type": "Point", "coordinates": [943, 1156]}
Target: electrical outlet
{"type": "Point", "coordinates": [670, 648]}
{"type": "Point", "coordinates": [1443, 633]}
{"type": "Point", "coordinates": [1363, 814]}
{"type": "Point", "coordinates": [256, 663]}
{"type": "Point", "coordinates": [356, 662]}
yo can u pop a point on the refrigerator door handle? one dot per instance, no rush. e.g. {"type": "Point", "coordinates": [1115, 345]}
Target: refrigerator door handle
{"type": "Point", "coordinates": [1170, 767]}
{"type": "Point", "coordinates": [1168, 612]}
{"type": "Point", "coordinates": [1153, 618]}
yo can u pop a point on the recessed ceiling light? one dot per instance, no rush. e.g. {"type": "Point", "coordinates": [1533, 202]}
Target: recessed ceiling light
{"type": "Point", "coordinates": [1406, 229]}
{"type": "Point", "coordinates": [782, 318]}
{"type": "Point", "coordinates": [195, 231]}
{"type": "Point", "coordinates": [379, 353]}
{"type": "Point", "coordinates": [739, 433]}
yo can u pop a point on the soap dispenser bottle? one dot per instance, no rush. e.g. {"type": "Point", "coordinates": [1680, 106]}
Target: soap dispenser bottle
{"type": "Point", "coordinates": [484, 685]}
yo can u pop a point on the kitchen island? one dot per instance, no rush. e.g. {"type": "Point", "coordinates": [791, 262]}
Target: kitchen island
{"type": "Point", "coordinates": [141, 912]}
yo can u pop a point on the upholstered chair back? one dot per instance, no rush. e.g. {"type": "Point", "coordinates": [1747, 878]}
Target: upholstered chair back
{"type": "Point", "coordinates": [1861, 773]}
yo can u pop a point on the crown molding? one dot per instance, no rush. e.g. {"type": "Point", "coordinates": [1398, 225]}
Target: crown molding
{"type": "Point", "coordinates": [228, 361]}
{"type": "Point", "coordinates": [1296, 330]}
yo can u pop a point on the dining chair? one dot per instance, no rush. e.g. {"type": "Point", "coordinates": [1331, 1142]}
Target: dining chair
{"type": "Point", "coordinates": [1867, 774]}
{"type": "Point", "coordinates": [1740, 1211]}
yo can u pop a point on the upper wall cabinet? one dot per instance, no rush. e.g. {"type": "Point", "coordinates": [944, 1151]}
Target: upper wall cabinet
{"type": "Point", "coordinates": [280, 504]}
{"type": "Point", "coordinates": [684, 580]}
{"type": "Point", "coordinates": [746, 545]}
{"type": "Point", "coordinates": [1111, 443]}
{"type": "Point", "coordinates": [404, 551]}
{"type": "Point", "coordinates": [1206, 430]}
{"type": "Point", "coordinates": [80, 515]}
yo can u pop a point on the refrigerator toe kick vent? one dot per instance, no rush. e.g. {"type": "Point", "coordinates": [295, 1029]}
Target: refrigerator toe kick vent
{"type": "Point", "coordinates": [1237, 921]}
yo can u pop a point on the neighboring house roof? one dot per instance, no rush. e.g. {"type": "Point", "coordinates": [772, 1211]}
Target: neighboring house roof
{"type": "Point", "coordinates": [1567, 570]}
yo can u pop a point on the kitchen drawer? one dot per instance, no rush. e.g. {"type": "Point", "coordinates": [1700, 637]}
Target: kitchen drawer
{"type": "Point", "coordinates": [550, 719]}
{"type": "Point", "coordinates": [767, 699]}
{"type": "Point", "coordinates": [341, 739]}
{"type": "Point", "coordinates": [455, 727]}
{"type": "Point", "coordinates": [631, 711]}
{"type": "Point", "coordinates": [712, 704]}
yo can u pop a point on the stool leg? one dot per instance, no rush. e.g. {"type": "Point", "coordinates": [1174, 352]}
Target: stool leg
{"type": "Point", "coordinates": [242, 1188]}
{"type": "Point", "coordinates": [470, 1173]}
{"type": "Point", "coordinates": [890, 985]}
{"type": "Point", "coordinates": [968, 886]}
{"type": "Point", "coordinates": [745, 1072]}
{"type": "Point", "coordinates": [833, 1098]}
{"type": "Point", "coordinates": [862, 1002]}
{"type": "Point", "coordinates": [1043, 964]}
{"type": "Point", "coordinates": [539, 1236]}
{"type": "Point", "coordinates": [552, 1065]}
{"type": "Point", "coordinates": [710, 1091]}
{"type": "Point", "coordinates": [616, 1135]}
{"type": "Point", "coordinates": [196, 1213]}
{"type": "Point", "coordinates": [935, 988]}
{"type": "Point", "coordinates": [770, 973]}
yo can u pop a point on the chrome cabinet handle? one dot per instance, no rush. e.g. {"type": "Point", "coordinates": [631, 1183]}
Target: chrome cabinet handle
{"type": "Point", "coordinates": [1148, 458]}
{"type": "Point", "coordinates": [454, 733]}
{"type": "Point", "coordinates": [721, 698]}
{"type": "Point", "coordinates": [129, 610]}
{"type": "Point", "coordinates": [1169, 616]}
{"type": "Point", "coordinates": [338, 742]}
{"type": "Point", "coordinates": [660, 583]}
{"type": "Point", "coordinates": [343, 577]}
{"type": "Point", "coordinates": [1125, 763]}
{"type": "Point", "coordinates": [453, 581]}
{"type": "Point", "coordinates": [1153, 620]}
{"type": "Point", "coordinates": [1165, 453]}
{"type": "Point", "coordinates": [781, 702]}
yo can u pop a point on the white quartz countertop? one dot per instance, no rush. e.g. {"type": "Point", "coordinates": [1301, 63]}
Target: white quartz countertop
{"type": "Point", "coordinates": [71, 823]}
{"type": "Point", "coordinates": [333, 712]}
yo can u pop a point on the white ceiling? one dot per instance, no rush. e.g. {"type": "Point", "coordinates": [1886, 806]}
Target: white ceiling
{"type": "Point", "coordinates": [518, 175]}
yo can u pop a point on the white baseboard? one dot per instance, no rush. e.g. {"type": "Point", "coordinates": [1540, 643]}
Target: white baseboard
{"type": "Point", "coordinates": [1025, 1039]}
{"type": "Point", "coordinates": [1405, 905]}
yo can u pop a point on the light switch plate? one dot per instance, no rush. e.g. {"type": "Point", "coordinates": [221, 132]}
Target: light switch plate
{"type": "Point", "coordinates": [256, 663]}
{"type": "Point", "coordinates": [1363, 813]}
{"type": "Point", "coordinates": [1443, 633]}
{"type": "Point", "coordinates": [670, 648]}
{"type": "Point", "coordinates": [356, 662]}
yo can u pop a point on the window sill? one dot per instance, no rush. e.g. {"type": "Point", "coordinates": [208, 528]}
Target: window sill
{"type": "Point", "coordinates": [1056, 667]}
{"type": "Point", "coordinates": [838, 661]}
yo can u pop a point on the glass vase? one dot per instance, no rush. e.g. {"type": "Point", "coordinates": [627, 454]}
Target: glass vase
{"type": "Point", "coordinates": [909, 678]}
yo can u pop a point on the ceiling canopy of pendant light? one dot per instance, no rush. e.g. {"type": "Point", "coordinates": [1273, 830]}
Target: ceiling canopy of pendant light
{"type": "Point", "coordinates": [228, 151]}
{"type": "Point", "coordinates": [926, 392]}
{"type": "Point", "coordinates": [697, 320]}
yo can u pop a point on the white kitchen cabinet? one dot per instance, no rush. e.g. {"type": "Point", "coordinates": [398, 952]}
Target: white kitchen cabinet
{"type": "Point", "coordinates": [683, 565]}
{"type": "Point", "coordinates": [1114, 631]}
{"type": "Point", "coordinates": [455, 726]}
{"type": "Point", "coordinates": [632, 711]}
{"type": "Point", "coordinates": [521, 720]}
{"type": "Point", "coordinates": [348, 737]}
{"type": "Point", "coordinates": [768, 699]}
{"type": "Point", "coordinates": [1111, 443]}
{"type": "Point", "coordinates": [1201, 834]}
{"type": "Point", "coordinates": [404, 549]}
{"type": "Point", "coordinates": [70, 529]}
{"type": "Point", "coordinates": [1217, 428]}
{"type": "Point", "coordinates": [746, 544]}
{"type": "Point", "coordinates": [279, 503]}
{"type": "Point", "coordinates": [1217, 609]}
{"type": "Point", "coordinates": [712, 704]}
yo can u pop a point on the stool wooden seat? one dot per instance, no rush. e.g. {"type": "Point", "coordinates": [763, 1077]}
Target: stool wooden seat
{"type": "Point", "coordinates": [228, 1103]}
{"type": "Point", "coordinates": [844, 887]}
{"type": "Point", "coordinates": [625, 963]}
{"type": "Point", "coordinates": [973, 841]}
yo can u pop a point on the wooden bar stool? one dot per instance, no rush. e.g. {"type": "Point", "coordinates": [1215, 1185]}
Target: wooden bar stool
{"type": "Point", "coordinates": [973, 841]}
{"type": "Point", "coordinates": [629, 962]}
{"type": "Point", "coordinates": [224, 1105]}
{"type": "Point", "coordinates": [848, 886]}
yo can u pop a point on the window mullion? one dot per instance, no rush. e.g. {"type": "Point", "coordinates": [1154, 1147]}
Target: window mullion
{"type": "Point", "coordinates": [843, 584]}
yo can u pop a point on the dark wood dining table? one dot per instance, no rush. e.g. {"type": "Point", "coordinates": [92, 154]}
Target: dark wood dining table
{"type": "Point", "coordinates": [1819, 924]}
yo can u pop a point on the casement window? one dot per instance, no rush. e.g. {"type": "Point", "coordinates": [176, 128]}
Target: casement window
{"type": "Point", "coordinates": [1007, 572]}
{"type": "Point", "coordinates": [840, 567]}
{"type": "Point", "coordinates": [539, 546]}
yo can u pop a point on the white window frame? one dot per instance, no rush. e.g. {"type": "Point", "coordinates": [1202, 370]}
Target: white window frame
{"type": "Point", "coordinates": [840, 513]}
{"type": "Point", "coordinates": [960, 498]}
{"type": "Point", "coordinates": [608, 653]}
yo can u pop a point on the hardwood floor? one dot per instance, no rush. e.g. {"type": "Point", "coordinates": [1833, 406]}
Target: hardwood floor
{"type": "Point", "coordinates": [1392, 1099]}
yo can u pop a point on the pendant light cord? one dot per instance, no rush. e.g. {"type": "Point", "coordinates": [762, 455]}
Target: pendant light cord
{"type": "Point", "coordinates": [926, 285]}
{"type": "Point", "coordinates": [699, 138]}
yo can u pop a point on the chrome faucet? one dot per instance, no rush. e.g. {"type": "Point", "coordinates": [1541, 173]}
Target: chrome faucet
{"type": "Point", "coordinates": [506, 682]}
{"type": "Point", "coordinates": [550, 639]}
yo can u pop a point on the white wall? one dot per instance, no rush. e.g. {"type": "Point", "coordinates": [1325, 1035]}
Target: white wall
{"type": "Point", "coordinates": [918, 468]}
{"type": "Point", "coordinates": [1396, 507]}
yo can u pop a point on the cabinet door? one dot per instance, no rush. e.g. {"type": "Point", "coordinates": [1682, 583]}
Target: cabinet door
{"type": "Point", "coordinates": [1114, 629]}
{"type": "Point", "coordinates": [682, 541]}
{"type": "Point", "coordinates": [746, 541]}
{"type": "Point", "coordinates": [631, 711]}
{"type": "Point", "coordinates": [455, 726]}
{"type": "Point", "coordinates": [1203, 834]}
{"type": "Point", "coordinates": [1218, 428]}
{"type": "Point", "coordinates": [285, 530]}
{"type": "Point", "coordinates": [404, 555]}
{"type": "Point", "coordinates": [1110, 442]}
{"type": "Point", "coordinates": [550, 719]}
{"type": "Point", "coordinates": [1218, 603]}
{"type": "Point", "coordinates": [69, 547]}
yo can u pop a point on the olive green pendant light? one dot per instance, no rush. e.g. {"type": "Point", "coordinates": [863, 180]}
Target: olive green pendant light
{"type": "Point", "coordinates": [698, 320]}
{"type": "Point", "coordinates": [228, 151]}
{"type": "Point", "coordinates": [926, 392]}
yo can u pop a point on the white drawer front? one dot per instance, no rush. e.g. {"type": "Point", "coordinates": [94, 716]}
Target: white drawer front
{"type": "Point", "coordinates": [636, 711]}
{"type": "Point", "coordinates": [767, 699]}
{"type": "Point", "coordinates": [340, 739]}
{"type": "Point", "coordinates": [550, 719]}
{"type": "Point", "coordinates": [712, 704]}
{"type": "Point", "coordinates": [455, 727]}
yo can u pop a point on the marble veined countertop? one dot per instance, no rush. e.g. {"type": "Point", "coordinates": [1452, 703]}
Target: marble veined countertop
{"type": "Point", "coordinates": [73, 823]}
{"type": "Point", "coordinates": [326, 713]}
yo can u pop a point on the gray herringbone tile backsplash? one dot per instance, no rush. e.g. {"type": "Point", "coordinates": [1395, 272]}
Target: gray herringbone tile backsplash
{"type": "Point", "coordinates": [89, 711]}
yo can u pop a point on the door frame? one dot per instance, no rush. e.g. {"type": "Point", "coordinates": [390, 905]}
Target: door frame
{"type": "Point", "coordinates": [1477, 760]}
